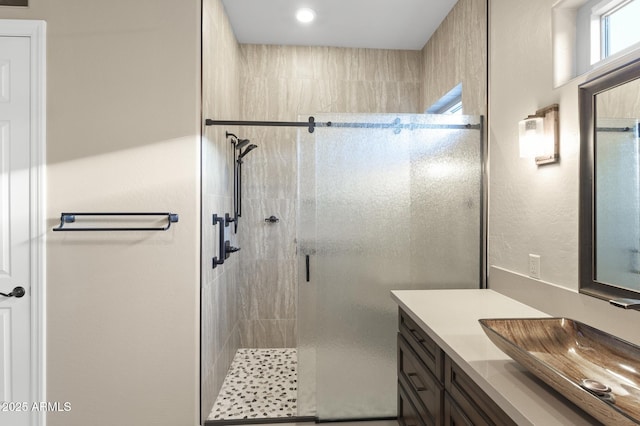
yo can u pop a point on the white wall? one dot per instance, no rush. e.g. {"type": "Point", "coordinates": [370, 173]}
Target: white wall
{"type": "Point", "coordinates": [535, 209]}
{"type": "Point", "coordinates": [531, 209]}
{"type": "Point", "coordinates": [123, 125]}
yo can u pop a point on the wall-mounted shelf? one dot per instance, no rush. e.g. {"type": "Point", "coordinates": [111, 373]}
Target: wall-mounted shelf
{"type": "Point", "coordinates": [70, 218]}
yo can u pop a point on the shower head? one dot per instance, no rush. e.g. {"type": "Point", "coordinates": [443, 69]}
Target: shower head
{"type": "Point", "coordinates": [241, 143]}
{"type": "Point", "coordinates": [246, 151]}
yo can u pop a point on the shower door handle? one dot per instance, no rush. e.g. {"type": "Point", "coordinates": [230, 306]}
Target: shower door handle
{"type": "Point", "coordinates": [307, 265]}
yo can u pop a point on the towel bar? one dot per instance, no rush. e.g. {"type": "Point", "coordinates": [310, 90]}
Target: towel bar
{"type": "Point", "coordinates": [66, 218]}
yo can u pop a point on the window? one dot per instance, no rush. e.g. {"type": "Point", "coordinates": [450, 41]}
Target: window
{"type": "Point", "coordinates": [614, 27]}
{"type": "Point", "coordinates": [619, 28]}
{"type": "Point", "coordinates": [591, 33]}
{"type": "Point", "coordinates": [451, 103]}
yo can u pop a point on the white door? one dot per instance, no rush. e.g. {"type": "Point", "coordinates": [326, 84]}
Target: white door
{"type": "Point", "coordinates": [15, 241]}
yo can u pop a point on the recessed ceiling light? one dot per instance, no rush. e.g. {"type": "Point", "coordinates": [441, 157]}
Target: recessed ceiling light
{"type": "Point", "coordinates": [305, 15]}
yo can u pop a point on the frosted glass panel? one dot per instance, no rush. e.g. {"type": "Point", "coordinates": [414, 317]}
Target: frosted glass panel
{"type": "Point", "coordinates": [380, 209]}
{"type": "Point", "coordinates": [306, 313]}
{"type": "Point", "coordinates": [617, 228]}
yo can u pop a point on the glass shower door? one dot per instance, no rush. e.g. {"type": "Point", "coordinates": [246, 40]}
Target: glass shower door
{"type": "Point", "coordinates": [380, 208]}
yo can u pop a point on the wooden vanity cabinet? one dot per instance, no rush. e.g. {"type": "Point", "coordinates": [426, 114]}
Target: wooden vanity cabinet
{"type": "Point", "coordinates": [433, 390]}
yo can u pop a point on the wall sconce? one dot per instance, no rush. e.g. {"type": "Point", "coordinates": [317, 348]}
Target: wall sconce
{"type": "Point", "coordinates": [540, 136]}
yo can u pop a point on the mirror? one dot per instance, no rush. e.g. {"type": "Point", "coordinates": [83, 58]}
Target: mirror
{"type": "Point", "coordinates": [610, 184]}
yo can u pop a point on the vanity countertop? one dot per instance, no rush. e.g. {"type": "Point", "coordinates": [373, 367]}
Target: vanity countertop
{"type": "Point", "coordinates": [450, 318]}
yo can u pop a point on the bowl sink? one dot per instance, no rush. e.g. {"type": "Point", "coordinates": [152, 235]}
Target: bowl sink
{"type": "Point", "coordinates": [599, 372]}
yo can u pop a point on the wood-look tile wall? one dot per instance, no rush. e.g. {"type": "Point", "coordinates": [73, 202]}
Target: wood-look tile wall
{"type": "Point", "coordinates": [457, 53]}
{"type": "Point", "coordinates": [281, 83]}
{"type": "Point", "coordinates": [220, 332]}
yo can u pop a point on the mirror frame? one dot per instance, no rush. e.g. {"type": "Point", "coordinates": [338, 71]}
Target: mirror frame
{"type": "Point", "coordinates": [587, 256]}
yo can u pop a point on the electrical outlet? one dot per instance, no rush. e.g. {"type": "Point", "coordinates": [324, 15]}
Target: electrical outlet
{"type": "Point", "coordinates": [534, 266]}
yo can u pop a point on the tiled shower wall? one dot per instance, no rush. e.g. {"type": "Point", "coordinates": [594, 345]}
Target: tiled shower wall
{"type": "Point", "coordinates": [219, 288]}
{"type": "Point", "coordinates": [278, 83]}
{"type": "Point", "coordinates": [457, 53]}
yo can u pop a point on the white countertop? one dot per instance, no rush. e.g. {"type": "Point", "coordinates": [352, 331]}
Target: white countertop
{"type": "Point", "coordinates": [450, 318]}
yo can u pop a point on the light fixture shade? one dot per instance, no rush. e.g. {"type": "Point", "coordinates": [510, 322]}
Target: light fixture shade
{"type": "Point", "coordinates": [539, 136]}
{"type": "Point", "coordinates": [531, 131]}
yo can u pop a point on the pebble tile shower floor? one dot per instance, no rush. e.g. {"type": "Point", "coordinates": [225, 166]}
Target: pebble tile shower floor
{"type": "Point", "coordinates": [261, 383]}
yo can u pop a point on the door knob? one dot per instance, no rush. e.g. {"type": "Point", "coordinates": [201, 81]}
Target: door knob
{"type": "Point", "coordinates": [16, 292]}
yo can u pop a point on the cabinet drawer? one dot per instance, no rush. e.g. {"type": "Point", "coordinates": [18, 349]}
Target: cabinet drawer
{"type": "Point", "coordinates": [453, 415]}
{"type": "Point", "coordinates": [407, 413]}
{"type": "Point", "coordinates": [424, 390]}
{"type": "Point", "coordinates": [477, 407]}
{"type": "Point", "coordinates": [426, 349]}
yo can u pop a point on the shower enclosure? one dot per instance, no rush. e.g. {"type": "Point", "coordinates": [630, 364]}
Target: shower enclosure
{"type": "Point", "coordinates": [385, 202]}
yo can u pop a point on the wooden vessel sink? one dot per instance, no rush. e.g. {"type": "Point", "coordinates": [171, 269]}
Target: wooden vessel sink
{"type": "Point", "coordinates": [598, 372]}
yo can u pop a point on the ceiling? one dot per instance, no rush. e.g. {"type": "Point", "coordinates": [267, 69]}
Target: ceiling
{"type": "Point", "coordinates": [379, 24]}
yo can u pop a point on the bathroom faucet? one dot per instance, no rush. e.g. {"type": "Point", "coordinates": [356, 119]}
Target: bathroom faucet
{"type": "Point", "coordinates": [626, 303]}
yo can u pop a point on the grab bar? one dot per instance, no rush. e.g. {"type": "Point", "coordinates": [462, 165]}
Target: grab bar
{"type": "Point", "coordinates": [66, 218]}
{"type": "Point", "coordinates": [217, 220]}
{"type": "Point", "coordinates": [224, 247]}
